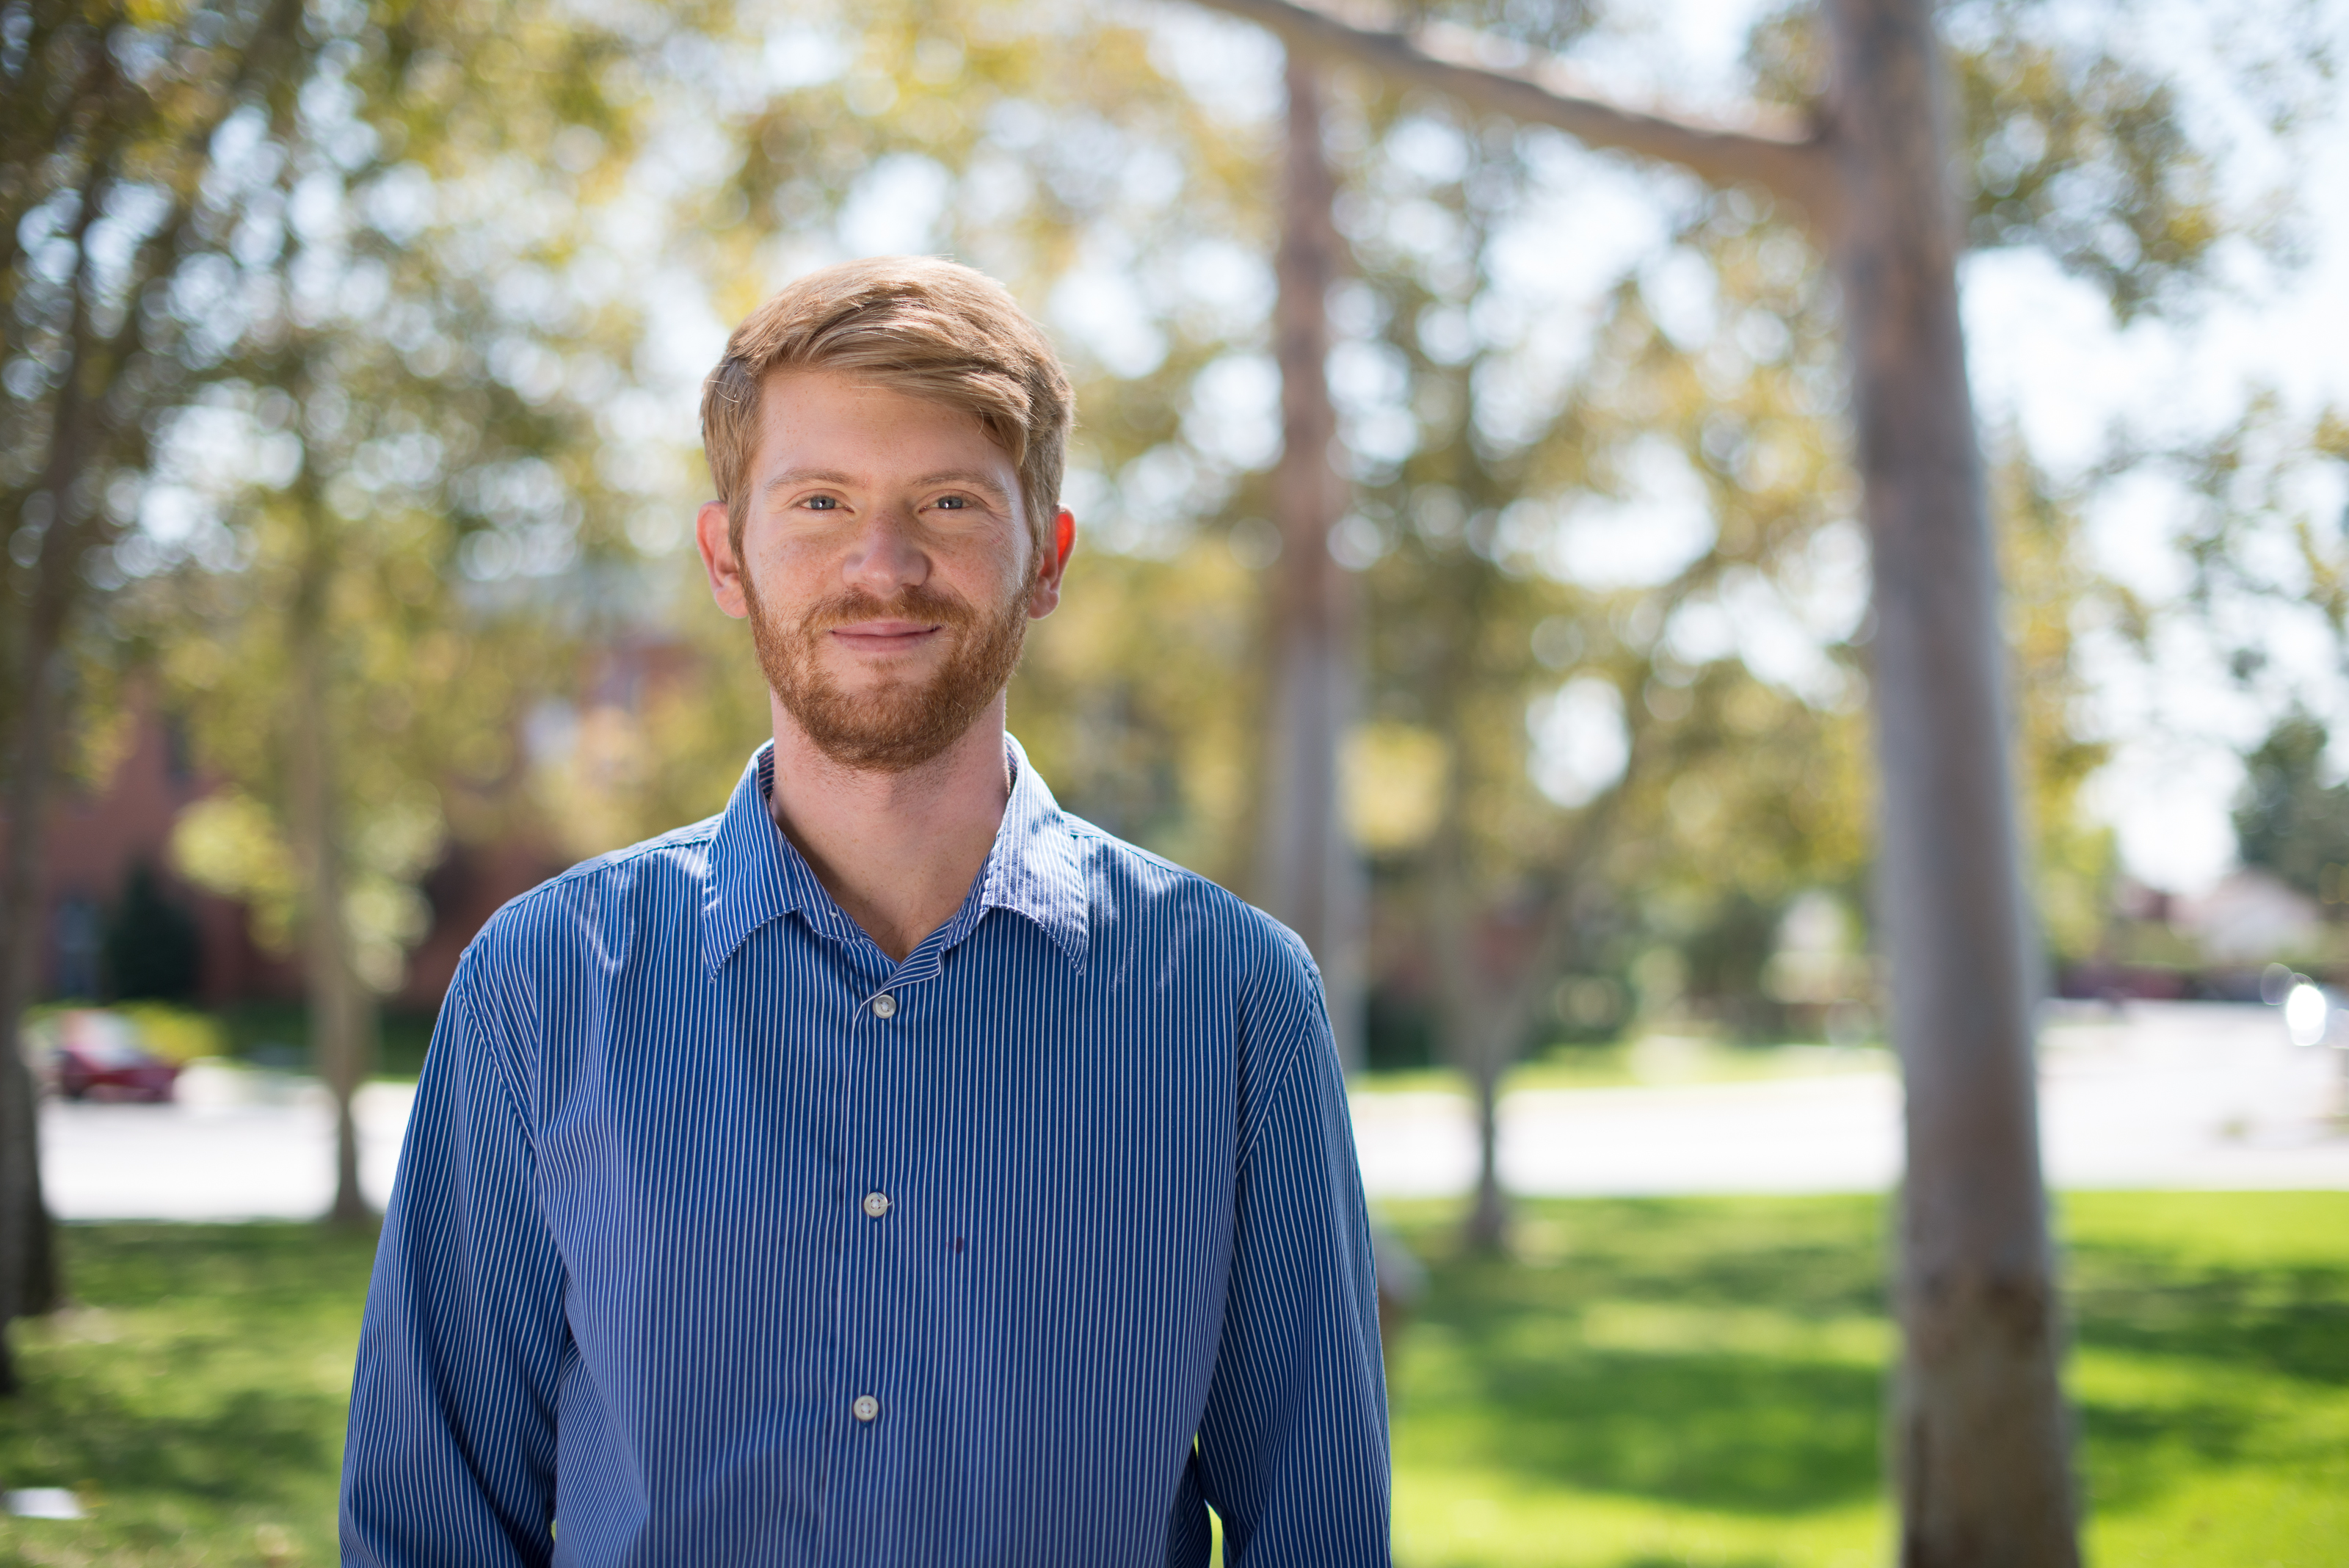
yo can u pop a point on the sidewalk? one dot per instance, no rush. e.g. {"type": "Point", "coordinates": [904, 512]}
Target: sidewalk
{"type": "Point", "coordinates": [238, 1145]}
{"type": "Point", "coordinates": [2169, 1094]}
{"type": "Point", "coordinates": [2165, 1095]}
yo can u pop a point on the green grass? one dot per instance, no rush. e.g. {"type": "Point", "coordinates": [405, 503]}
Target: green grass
{"type": "Point", "coordinates": [1698, 1382]}
{"type": "Point", "coordinates": [1671, 1382]}
{"type": "Point", "coordinates": [193, 1397]}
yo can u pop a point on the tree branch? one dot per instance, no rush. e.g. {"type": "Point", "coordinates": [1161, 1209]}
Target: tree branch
{"type": "Point", "coordinates": [1786, 159]}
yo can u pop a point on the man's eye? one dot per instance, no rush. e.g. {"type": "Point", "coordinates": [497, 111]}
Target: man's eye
{"type": "Point", "coordinates": [822, 504]}
{"type": "Point", "coordinates": [954, 502]}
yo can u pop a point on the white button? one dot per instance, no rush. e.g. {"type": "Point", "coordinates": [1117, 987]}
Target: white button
{"type": "Point", "coordinates": [876, 1204]}
{"type": "Point", "coordinates": [884, 1006]}
{"type": "Point", "coordinates": [866, 1407]}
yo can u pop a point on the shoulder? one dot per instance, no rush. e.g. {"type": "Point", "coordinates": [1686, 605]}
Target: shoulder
{"type": "Point", "coordinates": [1174, 932]}
{"type": "Point", "coordinates": [592, 903]}
{"type": "Point", "coordinates": [1149, 893]}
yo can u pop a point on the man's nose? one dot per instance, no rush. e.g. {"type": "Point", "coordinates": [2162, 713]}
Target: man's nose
{"type": "Point", "coordinates": [887, 556]}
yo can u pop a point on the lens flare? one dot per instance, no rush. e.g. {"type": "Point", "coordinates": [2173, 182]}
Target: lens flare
{"type": "Point", "coordinates": [2307, 1012]}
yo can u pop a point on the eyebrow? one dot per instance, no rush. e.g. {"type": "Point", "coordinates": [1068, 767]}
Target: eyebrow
{"type": "Point", "coordinates": [971, 479]}
{"type": "Point", "coordinates": [791, 476]}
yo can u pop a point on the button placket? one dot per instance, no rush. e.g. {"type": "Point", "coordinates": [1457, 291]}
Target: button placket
{"type": "Point", "coordinates": [885, 1005]}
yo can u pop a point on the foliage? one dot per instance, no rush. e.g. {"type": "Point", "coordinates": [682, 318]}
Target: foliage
{"type": "Point", "coordinates": [175, 1032]}
{"type": "Point", "coordinates": [2050, 590]}
{"type": "Point", "coordinates": [1688, 1380]}
{"type": "Point", "coordinates": [396, 453]}
{"type": "Point", "coordinates": [152, 946]}
{"type": "Point", "coordinates": [164, 1029]}
{"type": "Point", "coordinates": [106, 142]}
{"type": "Point", "coordinates": [2265, 553]}
{"type": "Point", "coordinates": [2291, 819]}
{"type": "Point", "coordinates": [1695, 698]}
{"type": "Point", "coordinates": [2074, 146]}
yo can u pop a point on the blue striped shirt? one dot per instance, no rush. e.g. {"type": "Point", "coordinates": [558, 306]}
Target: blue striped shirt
{"type": "Point", "coordinates": [722, 1239]}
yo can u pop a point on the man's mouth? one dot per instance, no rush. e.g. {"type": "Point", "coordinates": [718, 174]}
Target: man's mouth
{"type": "Point", "coordinates": [883, 636]}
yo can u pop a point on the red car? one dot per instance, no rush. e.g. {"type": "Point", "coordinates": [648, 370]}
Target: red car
{"type": "Point", "coordinates": [98, 1057]}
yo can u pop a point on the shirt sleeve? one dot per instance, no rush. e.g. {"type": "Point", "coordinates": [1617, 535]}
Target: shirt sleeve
{"type": "Point", "coordinates": [1293, 1443]}
{"type": "Point", "coordinates": [451, 1454]}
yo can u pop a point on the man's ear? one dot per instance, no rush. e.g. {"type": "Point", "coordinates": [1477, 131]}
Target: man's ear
{"type": "Point", "coordinates": [1045, 596]}
{"type": "Point", "coordinates": [714, 537]}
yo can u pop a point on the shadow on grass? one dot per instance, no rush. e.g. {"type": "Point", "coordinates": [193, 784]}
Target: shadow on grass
{"type": "Point", "coordinates": [2234, 1330]}
{"type": "Point", "coordinates": [1737, 1433]}
{"type": "Point", "coordinates": [239, 1447]}
{"type": "Point", "coordinates": [202, 1363]}
{"type": "Point", "coordinates": [2289, 1322]}
{"type": "Point", "coordinates": [1740, 1401]}
{"type": "Point", "coordinates": [1504, 1365]}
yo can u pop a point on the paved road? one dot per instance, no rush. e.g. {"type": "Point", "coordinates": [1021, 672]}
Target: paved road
{"type": "Point", "coordinates": [237, 1145]}
{"type": "Point", "coordinates": [2167, 1095]}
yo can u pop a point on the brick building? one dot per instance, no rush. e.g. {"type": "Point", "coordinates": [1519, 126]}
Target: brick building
{"type": "Point", "coordinates": [100, 840]}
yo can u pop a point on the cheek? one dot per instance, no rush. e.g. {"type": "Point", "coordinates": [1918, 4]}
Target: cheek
{"type": "Point", "coordinates": [787, 568]}
{"type": "Point", "coordinates": [984, 567]}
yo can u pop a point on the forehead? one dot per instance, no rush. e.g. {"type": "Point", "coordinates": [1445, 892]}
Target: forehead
{"type": "Point", "coordinates": [842, 416]}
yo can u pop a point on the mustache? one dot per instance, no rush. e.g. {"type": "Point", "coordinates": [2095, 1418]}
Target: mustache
{"type": "Point", "coordinates": [919, 601]}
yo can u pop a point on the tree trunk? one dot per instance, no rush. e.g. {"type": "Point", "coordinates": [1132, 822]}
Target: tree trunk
{"type": "Point", "coordinates": [1309, 876]}
{"type": "Point", "coordinates": [28, 1268]}
{"type": "Point", "coordinates": [1982, 1451]}
{"type": "Point", "coordinates": [28, 1271]}
{"type": "Point", "coordinates": [342, 1013]}
{"type": "Point", "coordinates": [1475, 1034]}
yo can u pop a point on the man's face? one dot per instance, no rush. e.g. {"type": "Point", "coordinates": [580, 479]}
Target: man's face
{"type": "Point", "coordinates": [886, 567]}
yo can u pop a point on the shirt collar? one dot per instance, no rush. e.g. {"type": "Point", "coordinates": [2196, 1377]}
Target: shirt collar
{"type": "Point", "coordinates": [1034, 868]}
{"type": "Point", "coordinates": [755, 875]}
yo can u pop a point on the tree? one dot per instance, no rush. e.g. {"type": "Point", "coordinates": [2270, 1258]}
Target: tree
{"type": "Point", "coordinates": [2052, 594]}
{"type": "Point", "coordinates": [2289, 819]}
{"type": "Point", "coordinates": [111, 123]}
{"type": "Point", "coordinates": [1981, 1436]}
{"type": "Point", "coordinates": [153, 945]}
{"type": "Point", "coordinates": [1715, 804]}
{"type": "Point", "coordinates": [412, 491]}
{"type": "Point", "coordinates": [1309, 874]}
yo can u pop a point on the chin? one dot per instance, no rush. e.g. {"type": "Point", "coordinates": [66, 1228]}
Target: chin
{"type": "Point", "coordinates": [897, 680]}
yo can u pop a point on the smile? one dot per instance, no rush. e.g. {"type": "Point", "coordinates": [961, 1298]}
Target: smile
{"type": "Point", "coordinates": [884, 637]}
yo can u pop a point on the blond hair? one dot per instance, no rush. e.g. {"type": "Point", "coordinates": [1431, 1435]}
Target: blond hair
{"type": "Point", "coordinates": [926, 327]}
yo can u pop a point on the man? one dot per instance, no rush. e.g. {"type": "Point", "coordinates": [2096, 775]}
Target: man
{"type": "Point", "coordinates": [892, 1170]}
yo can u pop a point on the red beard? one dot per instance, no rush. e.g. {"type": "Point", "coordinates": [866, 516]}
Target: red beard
{"type": "Point", "coordinates": [902, 723]}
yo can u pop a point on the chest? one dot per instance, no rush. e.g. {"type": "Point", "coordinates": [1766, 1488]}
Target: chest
{"type": "Point", "coordinates": [1002, 1116]}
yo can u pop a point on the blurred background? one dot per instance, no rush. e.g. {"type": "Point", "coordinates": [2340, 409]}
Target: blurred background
{"type": "Point", "coordinates": [349, 354]}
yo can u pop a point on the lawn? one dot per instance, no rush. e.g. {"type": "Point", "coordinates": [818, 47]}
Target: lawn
{"type": "Point", "coordinates": [1670, 1382]}
{"type": "Point", "coordinates": [193, 1397]}
{"type": "Point", "coordinates": [1698, 1382]}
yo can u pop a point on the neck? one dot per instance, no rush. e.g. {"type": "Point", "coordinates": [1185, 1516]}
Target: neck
{"type": "Point", "coordinates": [898, 851]}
